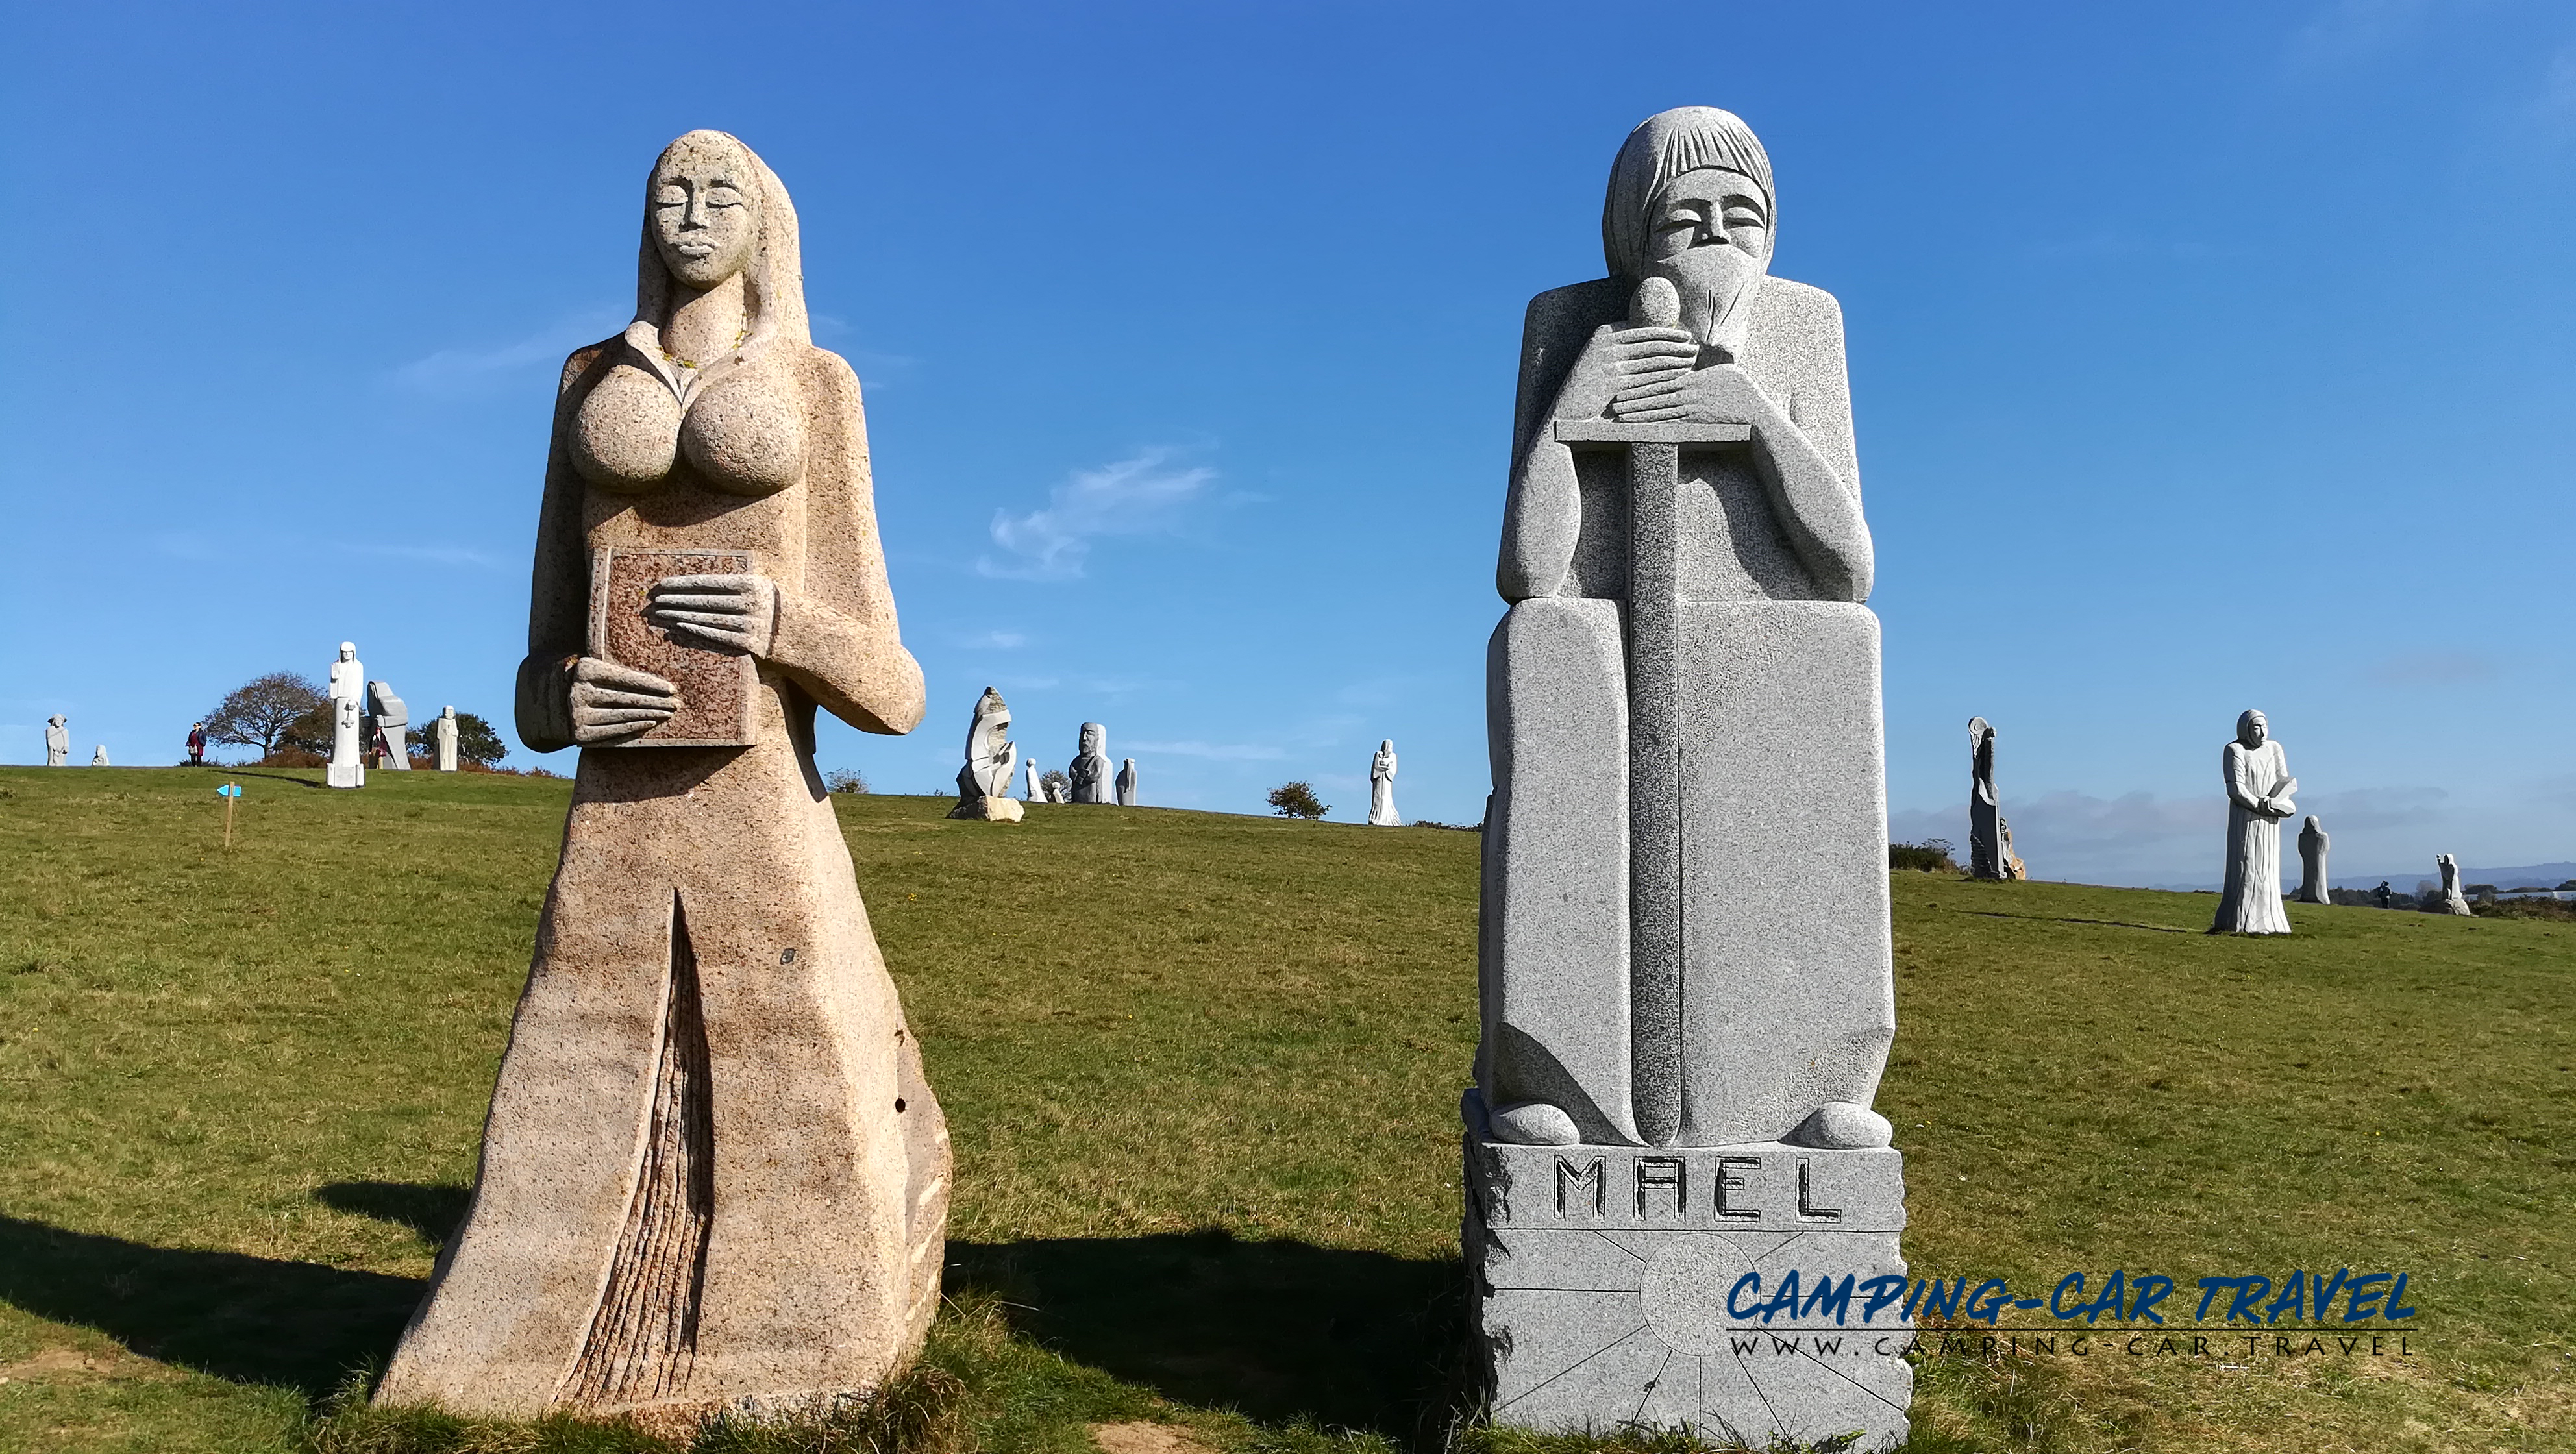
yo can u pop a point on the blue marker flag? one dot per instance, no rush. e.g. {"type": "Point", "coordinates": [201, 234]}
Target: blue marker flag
{"type": "Point", "coordinates": [229, 790]}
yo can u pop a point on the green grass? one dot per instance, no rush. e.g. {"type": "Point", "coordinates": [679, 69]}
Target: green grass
{"type": "Point", "coordinates": [1202, 1073]}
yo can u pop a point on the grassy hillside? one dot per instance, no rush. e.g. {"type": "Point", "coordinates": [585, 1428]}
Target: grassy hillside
{"type": "Point", "coordinates": [1202, 1072]}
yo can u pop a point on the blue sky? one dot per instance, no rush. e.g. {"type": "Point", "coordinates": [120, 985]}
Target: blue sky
{"type": "Point", "coordinates": [2203, 356]}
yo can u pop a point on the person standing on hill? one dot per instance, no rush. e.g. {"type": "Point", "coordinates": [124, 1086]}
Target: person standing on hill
{"type": "Point", "coordinates": [197, 745]}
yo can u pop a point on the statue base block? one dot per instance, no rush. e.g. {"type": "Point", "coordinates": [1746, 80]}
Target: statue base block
{"type": "Point", "coordinates": [1721, 1289]}
{"type": "Point", "coordinates": [988, 810]}
{"type": "Point", "coordinates": [345, 775]}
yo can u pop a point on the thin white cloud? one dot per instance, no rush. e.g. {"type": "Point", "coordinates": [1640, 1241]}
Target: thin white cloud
{"type": "Point", "coordinates": [454, 367]}
{"type": "Point", "coordinates": [993, 641]}
{"type": "Point", "coordinates": [1215, 751]}
{"type": "Point", "coordinates": [2363, 809]}
{"type": "Point", "coordinates": [1140, 495]}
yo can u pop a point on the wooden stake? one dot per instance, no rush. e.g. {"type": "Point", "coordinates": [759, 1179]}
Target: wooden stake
{"type": "Point", "coordinates": [231, 795]}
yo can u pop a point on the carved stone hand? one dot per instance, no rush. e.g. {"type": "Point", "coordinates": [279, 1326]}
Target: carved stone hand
{"type": "Point", "coordinates": [1718, 394]}
{"type": "Point", "coordinates": [611, 702]}
{"type": "Point", "coordinates": [730, 613]}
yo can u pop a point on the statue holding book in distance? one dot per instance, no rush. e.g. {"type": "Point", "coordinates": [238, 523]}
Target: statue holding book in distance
{"type": "Point", "coordinates": [713, 1177]}
{"type": "Point", "coordinates": [2259, 786]}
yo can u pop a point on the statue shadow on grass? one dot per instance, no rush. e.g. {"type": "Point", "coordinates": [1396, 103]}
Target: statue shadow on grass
{"type": "Point", "coordinates": [301, 782]}
{"type": "Point", "coordinates": [250, 1319]}
{"type": "Point", "coordinates": [1280, 1330]}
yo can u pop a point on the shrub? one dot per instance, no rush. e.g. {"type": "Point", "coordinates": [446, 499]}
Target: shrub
{"type": "Point", "coordinates": [1932, 855]}
{"type": "Point", "coordinates": [1297, 800]}
{"type": "Point", "coordinates": [845, 780]}
{"type": "Point", "coordinates": [2524, 909]}
{"type": "Point", "coordinates": [1062, 786]}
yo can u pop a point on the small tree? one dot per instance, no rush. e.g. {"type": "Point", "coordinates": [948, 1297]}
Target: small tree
{"type": "Point", "coordinates": [310, 733]}
{"type": "Point", "coordinates": [1297, 800]}
{"type": "Point", "coordinates": [1932, 855]}
{"type": "Point", "coordinates": [845, 780]}
{"type": "Point", "coordinates": [1055, 786]}
{"type": "Point", "coordinates": [476, 742]}
{"type": "Point", "coordinates": [263, 711]}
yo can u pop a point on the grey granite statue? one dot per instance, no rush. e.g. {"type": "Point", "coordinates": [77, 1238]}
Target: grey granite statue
{"type": "Point", "coordinates": [1687, 985]}
{"type": "Point", "coordinates": [1985, 811]}
{"type": "Point", "coordinates": [348, 767]}
{"type": "Point", "coordinates": [1037, 788]}
{"type": "Point", "coordinates": [2453, 900]}
{"type": "Point", "coordinates": [443, 738]}
{"type": "Point", "coordinates": [984, 783]}
{"type": "Point", "coordinates": [99, 758]}
{"type": "Point", "coordinates": [1058, 788]}
{"type": "Point", "coordinates": [58, 741]}
{"type": "Point", "coordinates": [1127, 782]}
{"type": "Point", "coordinates": [2258, 798]}
{"type": "Point", "coordinates": [388, 728]}
{"type": "Point", "coordinates": [2312, 863]}
{"type": "Point", "coordinates": [1090, 770]}
{"type": "Point", "coordinates": [1382, 787]}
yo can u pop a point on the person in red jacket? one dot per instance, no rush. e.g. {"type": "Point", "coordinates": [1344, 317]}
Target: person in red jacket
{"type": "Point", "coordinates": [197, 745]}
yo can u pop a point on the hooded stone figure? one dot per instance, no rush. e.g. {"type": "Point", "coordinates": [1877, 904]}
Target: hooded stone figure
{"type": "Point", "coordinates": [1687, 986]}
{"type": "Point", "coordinates": [1988, 857]}
{"type": "Point", "coordinates": [2258, 798]}
{"type": "Point", "coordinates": [713, 1176]}
{"type": "Point", "coordinates": [984, 783]}
{"type": "Point", "coordinates": [1686, 973]}
{"type": "Point", "coordinates": [1382, 786]}
{"type": "Point", "coordinates": [989, 750]}
{"type": "Point", "coordinates": [2313, 844]}
{"type": "Point", "coordinates": [1655, 907]}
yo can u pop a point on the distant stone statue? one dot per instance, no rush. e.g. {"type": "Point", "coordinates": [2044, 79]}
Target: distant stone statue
{"type": "Point", "coordinates": [1382, 787]}
{"type": "Point", "coordinates": [2453, 900]}
{"type": "Point", "coordinates": [1986, 853]}
{"type": "Point", "coordinates": [443, 737]}
{"type": "Point", "coordinates": [99, 758]}
{"type": "Point", "coordinates": [1127, 783]}
{"type": "Point", "coordinates": [1687, 980]}
{"type": "Point", "coordinates": [984, 783]}
{"type": "Point", "coordinates": [2312, 863]}
{"type": "Point", "coordinates": [2014, 868]}
{"type": "Point", "coordinates": [2259, 786]}
{"type": "Point", "coordinates": [1037, 789]}
{"type": "Point", "coordinates": [1089, 773]}
{"type": "Point", "coordinates": [58, 741]}
{"type": "Point", "coordinates": [713, 1177]}
{"type": "Point", "coordinates": [388, 728]}
{"type": "Point", "coordinates": [348, 767]}
{"type": "Point", "coordinates": [1058, 788]}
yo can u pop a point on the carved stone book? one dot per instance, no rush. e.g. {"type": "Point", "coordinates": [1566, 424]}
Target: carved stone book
{"type": "Point", "coordinates": [715, 687]}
